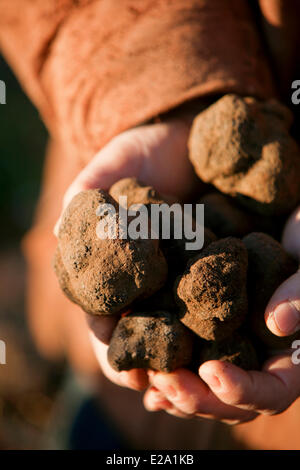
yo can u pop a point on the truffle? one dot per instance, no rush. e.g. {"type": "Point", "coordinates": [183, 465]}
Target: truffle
{"type": "Point", "coordinates": [137, 192]}
{"type": "Point", "coordinates": [268, 266]}
{"type": "Point", "coordinates": [104, 275]}
{"type": "Point", "coordinates": [224, 217]}
{"type": "Point", "coordinates": [237, 350]}
{"type": "Point", "coordinates": [211, 294]}
{"type": "Point", "coordinates": [173, 248]}
{"type": "Point", "coordinates": [177, 254]}
{"type": "Point", "coordinates": [243, 147]}
{"type": "Point", "coordinates": [150, 340]}
{"type": "Point", "coordinates": [160, 300]}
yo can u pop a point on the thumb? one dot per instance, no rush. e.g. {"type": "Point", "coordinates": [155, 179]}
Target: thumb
{"type": "Point", "coordinates": [283, 311]}
{"type": "Point", "coordinates": [118, 159]}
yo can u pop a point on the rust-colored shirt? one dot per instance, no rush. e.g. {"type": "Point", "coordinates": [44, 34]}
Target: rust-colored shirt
{"type": "Point", "coordinates": [97, 67]}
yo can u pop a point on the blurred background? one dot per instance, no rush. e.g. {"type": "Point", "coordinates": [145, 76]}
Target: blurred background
{"type": "Point", "coordinates": [26, 384]}
{"type": "Point", "coordinates": [41, 404]}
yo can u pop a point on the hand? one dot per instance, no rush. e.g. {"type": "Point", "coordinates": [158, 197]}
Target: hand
{"type": "Point", "coordinates": [157, 155]}
{"type": "Point", "coordinates": [225, 392]}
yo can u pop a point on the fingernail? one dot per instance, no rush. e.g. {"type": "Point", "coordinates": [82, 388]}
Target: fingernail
{"type": "Point", "coordinates": [287, 318]}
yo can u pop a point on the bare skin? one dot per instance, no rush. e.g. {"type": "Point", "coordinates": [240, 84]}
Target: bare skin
{"type": "Point", "coordinates": [157, 155]}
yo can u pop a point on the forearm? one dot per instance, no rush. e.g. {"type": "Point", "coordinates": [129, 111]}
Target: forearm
{"type": "Point", "coordinates": [96, 68]}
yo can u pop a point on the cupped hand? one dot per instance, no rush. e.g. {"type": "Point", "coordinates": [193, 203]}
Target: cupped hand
{"type": "Point", "coordinates": [227, 393]}
{"type": "Point", "coordinates": [157, 155]}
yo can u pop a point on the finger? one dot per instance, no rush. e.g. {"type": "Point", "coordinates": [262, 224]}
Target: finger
{"type": "Point", "coordinates": [135, 379]}
{"type": "Point", "coordinates": [269, 391]}
{"type": "Point", "coordinates": [120, 158]}
{"type": "Point", "coordinates": [154, 400]}
{"type": "Point", "coordinates": [191, 396]}
{"type": "Point", "coordinates": [283, 310]}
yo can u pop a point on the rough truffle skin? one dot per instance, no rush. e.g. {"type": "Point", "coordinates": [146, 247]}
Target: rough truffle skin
{"type": "Point", "coordinates": [150, 340]}
{"type": "Point", "coordinates": [269, 265]}
{"type": "Point", "coordinates": [178, 256]}
{"type": "Point", "coordinates": [136, 192]}
{"type": "Point", "coordinates": [212, 293]}
{"type": "Point", "coordinates": [174, 249]}
{"type": "Point", "coordinates": [104, 276]}
{"type": "Point", "coordinates": [224, 218]}
{"type": "Point", "coordinates": [63, 276]}
{"type": "Point", "coordinates": [243, 147]}
{"type": "Point", "coordinates": [237, 350]}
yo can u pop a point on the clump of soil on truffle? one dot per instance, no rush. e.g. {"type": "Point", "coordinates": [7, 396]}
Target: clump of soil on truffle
{"type": "Point", "coordinates": [136, 192]}
{"type": "Point", "coordinates": [237, 350]}
{"type": "Point", "coordinates": [224, 217]}
{"type": "Point", "coordinates": [243, 147]}
{"type": "Point", "coordinates": [178, 254]}
{"type": "Point", "coordinates": [212, 293]}
{"type": "Point", "coordinates": [154, 340]}
{"type": "Point", "coordinates": [104, 275]}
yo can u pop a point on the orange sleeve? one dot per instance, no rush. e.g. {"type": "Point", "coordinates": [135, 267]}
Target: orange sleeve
{"type": "Point", "coordinates": [97, 67]}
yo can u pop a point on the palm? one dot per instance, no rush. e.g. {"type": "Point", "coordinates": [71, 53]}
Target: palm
{"type": "Point", "coordinates": [156, 154]}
